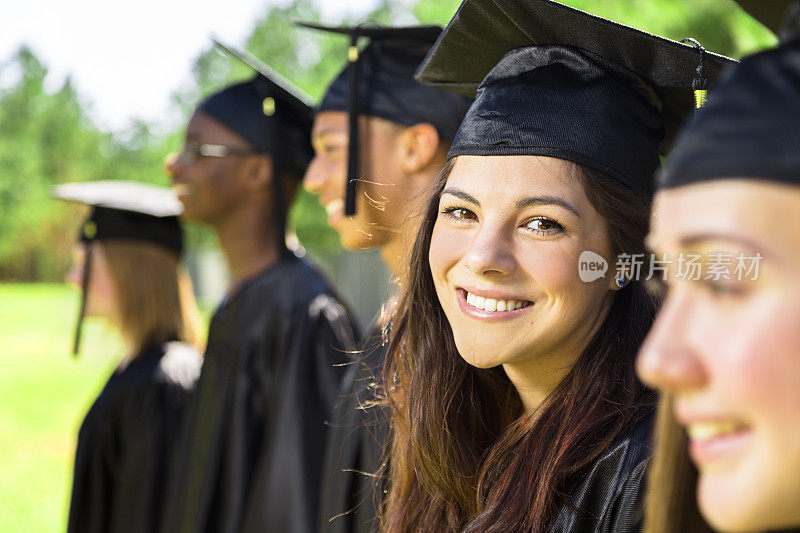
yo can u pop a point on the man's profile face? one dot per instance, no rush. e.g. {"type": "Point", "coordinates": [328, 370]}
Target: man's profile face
{"type": "Point", "coordinates": [209, 187]}
{"type": "Point", "coordinates": [382, 192]}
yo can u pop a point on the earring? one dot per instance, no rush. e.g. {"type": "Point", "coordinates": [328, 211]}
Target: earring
{"type": "Point", "coordinates": [621, 282]}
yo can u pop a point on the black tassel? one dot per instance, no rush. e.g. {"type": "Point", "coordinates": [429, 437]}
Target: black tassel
{"type": "Point", "coordinates": [700, 82]}
{"type": "Point", "coordinates": [85, 277]}
{"type": "Point", "coordinates": [353, 149]}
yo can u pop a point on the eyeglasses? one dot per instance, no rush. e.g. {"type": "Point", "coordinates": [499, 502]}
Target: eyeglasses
{"type": "Point", "coordinates": [191, 152]}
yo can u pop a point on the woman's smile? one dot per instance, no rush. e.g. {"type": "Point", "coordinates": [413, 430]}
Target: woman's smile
{"type": "Point", "coordinates": [491, 305]}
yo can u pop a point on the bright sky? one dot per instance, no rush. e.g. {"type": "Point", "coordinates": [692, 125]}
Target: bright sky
{"type": "Point", "coordinates": [127, 57]}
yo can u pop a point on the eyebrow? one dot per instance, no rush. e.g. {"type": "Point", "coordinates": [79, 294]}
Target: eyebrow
{"type": "Point", "coordinates": [525, 202]}
{"type": "Point", "coordinates": [328, 131]}
{"type": "Point", "coordinates": [699, 238]}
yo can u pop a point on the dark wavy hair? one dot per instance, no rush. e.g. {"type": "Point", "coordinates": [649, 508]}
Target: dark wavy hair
{"type": "Point", "coordinates": [463, 455]}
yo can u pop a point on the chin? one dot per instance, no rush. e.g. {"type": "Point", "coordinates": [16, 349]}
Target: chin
{"type": "Point", "coordinates": [480, 357]}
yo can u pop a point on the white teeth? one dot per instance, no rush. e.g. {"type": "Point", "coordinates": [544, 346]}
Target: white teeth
{"type": "Point", "coordinates": [182, 188]}
{"type": "Point", "coordinates": [334, 207]}
{"type": "Point", "coordinates": [493, 305]}
{"type": "Point", "coordinates": [710, 430]}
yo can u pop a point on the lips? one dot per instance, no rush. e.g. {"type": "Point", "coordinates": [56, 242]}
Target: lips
{"type": "Point", "coordinates": [714, 439]}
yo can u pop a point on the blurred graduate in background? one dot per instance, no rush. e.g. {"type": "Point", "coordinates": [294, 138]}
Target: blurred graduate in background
{"type": "Point", "coordinates": [371, 189]}
{"type": "Point", "coordinates": [128, 265]}
{"type": "Point", "coordinates": [278, 341]}
{"type": "Point", "coordinates": [724, 348]}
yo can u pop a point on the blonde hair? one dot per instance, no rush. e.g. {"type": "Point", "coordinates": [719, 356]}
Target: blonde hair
{"type": "Point", "coordinates": [155, 302]}
{"type": "Point", "coordinates": [670, 503]}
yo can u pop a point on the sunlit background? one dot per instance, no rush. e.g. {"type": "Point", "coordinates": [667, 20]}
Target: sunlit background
{"type": "Point", "coordinates": [92, 89]}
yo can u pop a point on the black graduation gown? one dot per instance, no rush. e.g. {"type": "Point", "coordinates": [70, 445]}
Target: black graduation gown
{"type": "Point", "coordinates": [611, 498]}
{"type": "Point", "coordinates": [358, 439]}
{"type": "Point", "coordinates": [277, 350]}
{"type": "Point", "coordinates": [127, 440]}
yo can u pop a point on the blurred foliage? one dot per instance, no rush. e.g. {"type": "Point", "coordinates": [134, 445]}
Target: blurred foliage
{"type": "Point", "coordinates": [47, 138]}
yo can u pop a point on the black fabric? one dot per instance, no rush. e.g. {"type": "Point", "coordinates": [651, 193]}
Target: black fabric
{"type": "Point", "coordinates": [253, 456]}
{"type": "Point", "coordinates": [280, 127]}
{"type": "Point", "coordinates": [359, 435]}
{"type": "Point", "coordinates": [106, 223]}
{"type": "Point", "coordinates": [127, 440]}
{"type": "Point", "coordinates": [484, 31]}
{"type": "Point", "coordinates": [750, 129]}
{"type": "Point", "coordinates": [611, 498]}
{"type": "Point", "coordinates": [379, 81]}
{"type": "Point", "coordinates": [386, 86]}
{"type": "Point", "coordinates": [562, 102]}
{"type": "Point", "coordinates": [771, 13]}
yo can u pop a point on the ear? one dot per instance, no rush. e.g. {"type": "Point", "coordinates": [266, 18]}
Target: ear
{"type": "Point", "coordinates": [259, 173]}
{"type": "Point", "coordinates": [420, 143]}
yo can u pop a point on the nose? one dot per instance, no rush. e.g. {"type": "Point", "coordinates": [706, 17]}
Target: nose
{"type": "Point", "coordinates": [74, 274]}
{"type": "Point", "coordinates": [491, 252]}
{"type": "Point", "coordinates": [315, 177]}
{"type": "Point", "coordinates": [172, 163]}
{"type": "Point", "coordinates": [668, 359]}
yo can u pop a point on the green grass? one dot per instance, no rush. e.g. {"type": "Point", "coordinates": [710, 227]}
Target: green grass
{"type": "Point", "coordinates": [44, 394]}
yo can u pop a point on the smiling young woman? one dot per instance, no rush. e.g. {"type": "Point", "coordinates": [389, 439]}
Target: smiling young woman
{"type": "Point", "coordinates": [510, 380]}
{"type": "Point", "coordinates": [528, 404]}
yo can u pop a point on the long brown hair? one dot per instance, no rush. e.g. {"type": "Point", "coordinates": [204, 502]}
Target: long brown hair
{"type": "Point", "coordinates": [155, 302]}
{"type": "Point", "coordinates": [671, 503]}
{"type": "Point", "coordinates": [463, 456]}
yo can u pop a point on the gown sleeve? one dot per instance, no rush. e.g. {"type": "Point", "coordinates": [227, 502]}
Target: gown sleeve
{"type": "Point", "coordinates": [94, 474]}
{"type": "Point", "coordinates": [315, 342]}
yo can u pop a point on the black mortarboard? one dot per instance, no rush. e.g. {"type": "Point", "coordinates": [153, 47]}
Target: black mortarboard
{"type": "Point", "coordinates": [272, 115]}
{"type": "Point", "coordinates": [555, 81]}
{"type": "Point", "coordinates": [771, 13]}
{"type": "Point", "coordinates": [127, 211]}
{"type": "Point", "coordinates": [749, 130]}
{"type": "Point", "coordinates": [379, 81]}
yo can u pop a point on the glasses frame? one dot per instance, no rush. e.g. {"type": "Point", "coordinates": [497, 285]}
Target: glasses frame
{"type": "Point", "coordinates": [190, 153]}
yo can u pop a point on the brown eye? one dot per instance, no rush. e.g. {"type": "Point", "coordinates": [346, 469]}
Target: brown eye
{"type": "Point", "coordinates": [544, 225]}
{"type": "Point", "coordinates": [464, 214]}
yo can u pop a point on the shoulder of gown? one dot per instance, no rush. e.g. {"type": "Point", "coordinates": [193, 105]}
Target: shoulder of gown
{"type": "Point", "coordinates": [611, 498]}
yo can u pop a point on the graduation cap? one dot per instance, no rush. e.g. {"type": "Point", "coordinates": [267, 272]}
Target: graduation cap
{"type": "Point", "coordinates": [274, 116]}
{"type": "Point", "coordinates": [379, 81]}
{"type": "Point", "coordinates": [123, 211]}
{"type": "Point", "coordinates": [555, 81]}
{"type": "Point", "coordinates": [749, 130]}
{"type": "Point", "coordinates": [773, 14]}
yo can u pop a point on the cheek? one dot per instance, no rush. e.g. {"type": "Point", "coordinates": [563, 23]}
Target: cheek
{"type": "Point", "coordinates": [755, 371]}
{"type": "Point", "coordinates": [448, 246]}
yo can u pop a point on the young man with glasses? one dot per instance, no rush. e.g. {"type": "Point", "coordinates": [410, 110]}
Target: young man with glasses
{"type": "Point", "coordinates": [255, 436]}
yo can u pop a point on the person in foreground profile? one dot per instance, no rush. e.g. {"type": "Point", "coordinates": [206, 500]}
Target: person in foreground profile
{"type": "Point", "coordinates": [405, 129]}
{"type": "Point", "coordinates": [277, 343]}
{"type": "Point", "coordinates": [510, 377]}
{"type": "Point", "coordinates": [724, 348]}
{"type": "Point", "coordinates": [128, 266]}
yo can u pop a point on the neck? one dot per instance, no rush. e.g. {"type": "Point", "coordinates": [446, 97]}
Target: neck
{"type": "Point", "coordinates": [248, 241]}
{"type": "Point", "coordinates": [536, 380]}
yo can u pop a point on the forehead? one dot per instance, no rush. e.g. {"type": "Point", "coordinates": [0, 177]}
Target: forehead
{"type": "Point", "coordinates": [504, 178]}
{"type": "Point", "coordinates": [204, 127]}
{"type": "Point", "coordinates": [761, 213]}
{"type": "Point", "coordinates": [330, 122]}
